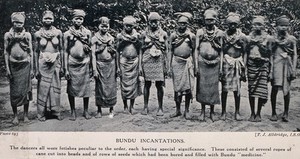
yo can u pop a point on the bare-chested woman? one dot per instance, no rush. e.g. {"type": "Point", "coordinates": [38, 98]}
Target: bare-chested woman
{"type": "Point", "coordinates": [182, 46]}
{"type": "Point", "coordinates": [48, 59]}
{"type": "Point", "coordinates": [19, 65]}
{"type": "Point", "coordinates": [257, 60]}
{"type": "Point", "coordinates": [154, 60]}
{"type": "Point", "coordinates": [104, 68]}
{"type": "Point", "coordinates": [233, 64]}
{"type": "Point", "coordinates": [77, 41]}
{"type": "Point", "coordinates": [128, 48]}
{"type": "Point", "coordinates": [209, 57]}
{"type": "Point", "coordinates": [284, 61]}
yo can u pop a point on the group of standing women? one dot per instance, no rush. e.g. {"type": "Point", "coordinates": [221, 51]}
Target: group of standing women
{"type": "Point", "coordinates": [209, 56]}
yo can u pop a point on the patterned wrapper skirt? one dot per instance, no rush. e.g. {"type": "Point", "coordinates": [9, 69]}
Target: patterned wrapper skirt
{"type": "Point", "coordinates": [258, 72]}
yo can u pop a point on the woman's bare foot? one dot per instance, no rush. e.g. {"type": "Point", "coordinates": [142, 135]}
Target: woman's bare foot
{"type": "Point", "coordinates": [274, 118]}
{"type": "Point", "coordinates": [238, 117]}
{"type": "Point", "coordinates": [187, 115]}
{"type": "Point", "coordinates": [202, 117]}
{"type": "Point", "coordinates": [111, 115]}
{"type": "Point", "coordinates": [257, 118]}
{"type": "Point", "coordinates": [252, 118]}
{"type": "Point", "coordinates": [98, 115]}
{"type": "Point", "coordinates": [73, 117]}
{"type": "Point", "coordinates": [223, 116]}
{"type": "Point", "coordinates": [160, 112]}
{"type": "Point", "coordinates": [145, 111]}
{"type": "Point", "coordinates": [285, 118]}
{"type": "Point", "coordinates": [26, 120]}
{"type": "Point", "coordinates": [42, 119]}
{"type": "Point", "coordinates": [176, 114]}
{"type": "Point", "coordinates": [16, 121]}
{"type": "Point", "coordinates": [86, 115]}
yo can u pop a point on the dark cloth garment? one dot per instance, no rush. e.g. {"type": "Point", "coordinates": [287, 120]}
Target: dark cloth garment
{"type": "Point", "coordinates": [207, 89]}
{"type": "Point", "coordinates": [106, 84]}
{"type": "Point", "coordinates": [49, 86]}
{"type": "Point", "coordinates": [79, 83]}
{"type": "Point", "coordinates": [129, 78]}
{"type": "Point", "coordinates": [258, 72]}
{"type": "Point", "coordinates": [207, 86]}
{"type": "Point", "coordinates": [20, 83]}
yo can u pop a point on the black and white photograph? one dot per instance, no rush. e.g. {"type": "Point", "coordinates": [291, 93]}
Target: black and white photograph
{"type": "Point", "coordinates": [149, 72]}
{"type": "Point", "coordinates": [150, 65]}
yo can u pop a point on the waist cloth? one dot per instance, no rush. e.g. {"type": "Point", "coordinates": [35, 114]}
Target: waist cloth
{"type": "Point", "coordinates": [49, 86]}
{"type": "Point", "coordinates": [207, 86]}
{"type": "Point", "coordinates": [153, 66]}
{"type": "Point", "coordinates": [258, 72]}
{"type": "Point", "coordinates": [183, 75]}
{"type": "Point", "coordinates": [79, 83]}
{"type": "Point", "coordinates": [282, 71]}
{"type": "Point", "coordinates": [106, 84]}
{"type": "Point", "coordinates": [232, 69]}
{"type": "Point", "coordinates": [129, 78]}
{"type": "Point", "coordinates": [20, 83]}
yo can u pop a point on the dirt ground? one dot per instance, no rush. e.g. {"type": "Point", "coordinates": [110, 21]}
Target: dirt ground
{"type": "Point", "coordinates": [151, 123]}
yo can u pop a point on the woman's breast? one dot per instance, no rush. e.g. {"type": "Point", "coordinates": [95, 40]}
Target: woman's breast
{"type": "Point", "coordinates": [207, 51]}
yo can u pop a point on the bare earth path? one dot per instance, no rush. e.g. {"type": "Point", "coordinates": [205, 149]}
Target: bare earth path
{"type": "Point", "coordinates": [151, 123]}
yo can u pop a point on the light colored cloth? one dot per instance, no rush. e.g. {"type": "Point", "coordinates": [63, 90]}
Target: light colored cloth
{"type": "Point", "coordinates": [106, 84]}
{"type": "Point", "coordinates": [233, 18]}
{"type": "Point", "coordinates": [129, 20]}
{"type": "Point", "coordinates": [154, 16]}
{"type": "Point", "coordinates": [79, 83]}
{"type": "Point", "coordinates": [49, 86]}
{"type": "Point", "coordinates": [78, 13]}
{"type": "Point", "coordinates": [282, 70]}
{"type": "Point", "coordinates": [18, 17]}
{"type": "Point", "coordinates": [20, 83]}
{"type": "Point", "coordinates": [258, 72]}
{"type": "Point", "coordinates": [282, 62]}
{"type": "Point", "coordinates": [129, 78]}
{"type": "Point", "coordinates": [232, 69]}
{"type": "Point", "coordinates": [183, 74]}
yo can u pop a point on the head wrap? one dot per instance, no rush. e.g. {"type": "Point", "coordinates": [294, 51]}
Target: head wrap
{"type": "Point", "coordinates": [184, 16]}
{"type": "Point", "coordinates": [210, 14]}
{"type": "Point", "coordinates": [78, 13]}
{"type": "Point", "coordinates": [129, 20]}
{"type": "Point", "coordinates": [233, 18]}
{"type": "Point", "coordinates": [103, 20]}
{"type": "Point", "coordinates": [259, 19]}
{"type": "Point", "coordinates": [283, 20]}
{"type": "Point", "coordinates": [18, 17]}
{"type": "Point", "coordinates": [48, 13]}
{"type": "Point", "coordinates": [154, 16]}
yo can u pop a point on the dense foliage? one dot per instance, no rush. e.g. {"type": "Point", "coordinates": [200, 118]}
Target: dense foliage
{"type": "Point", "coordinates": [117, 9]}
